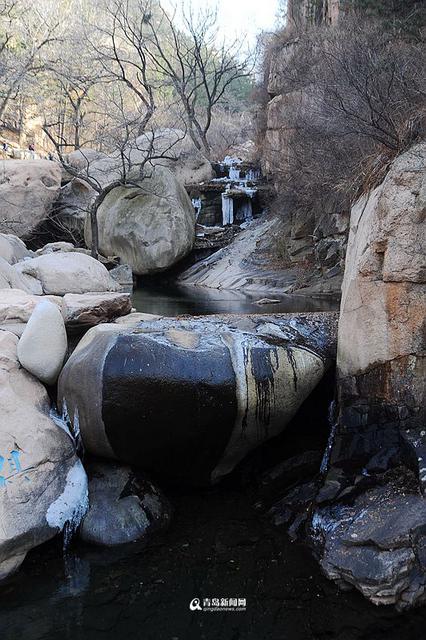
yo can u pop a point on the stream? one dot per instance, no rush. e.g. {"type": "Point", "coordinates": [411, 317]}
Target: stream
{"type": "Point", "coordinates": [218, 546]}
{"type": "Point", "coordinates": [155, 296]}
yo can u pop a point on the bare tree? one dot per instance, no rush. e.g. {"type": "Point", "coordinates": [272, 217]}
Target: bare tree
{"type": "Point", "coordinates": [120, 50]}
{"type": "Point", "coordinates": [27, 32]}
{"type": "Point", "coordinates": [195, 65]}
{"type": "Point", "coordinates": [74, 88]}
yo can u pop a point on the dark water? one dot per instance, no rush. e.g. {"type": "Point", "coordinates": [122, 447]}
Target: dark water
{"type": "Point", "coordinates": [153, 296]}
{"type": "Point", "coordinates": [218, 546]}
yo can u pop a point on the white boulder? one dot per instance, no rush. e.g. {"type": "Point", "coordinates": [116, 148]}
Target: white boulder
{"type": "Point", "coordinates": [43, 344]}
{"type": "Point", "coordinates": [70, 272]}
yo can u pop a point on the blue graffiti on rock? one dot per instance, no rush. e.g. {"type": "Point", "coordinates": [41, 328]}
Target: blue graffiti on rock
{"type": "Point", "coordinates": [11, 465]}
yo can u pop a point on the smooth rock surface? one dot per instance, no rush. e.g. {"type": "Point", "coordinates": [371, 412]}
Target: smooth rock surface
{"type": "Point", "coordinates": [42, 483]}
{"type": "Point", "coordinates": [239, 266]}
{"type": "Point", "coordinates": [124, 506]}
{"type": "Point", "coordinates": [43, 345]}
{"type": "Point", "coordinates": [70, 272]}
{"type": "Point", "coordinates": [245, 377]}
{"type": "Point", "coordinates": [150, 228]}
{"type": "Point", "coordinates": [28, 189]}
{"type": "Point", "coordinates": [133, 319]}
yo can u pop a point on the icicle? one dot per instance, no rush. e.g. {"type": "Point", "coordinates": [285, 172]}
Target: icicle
{"type": "Point", "coordinates": [71, 506]}
{"type": "Point", "coordinates": [62, 421]}
{"type": "Point", "coordinates": [252, 175]}
{"type": "Point", "coordinates": [234, 173]}
{"type": "Point", "coordinates": [227, 209]}
{"type": "Point", "coordinates": [197, 204]}
{"type": "Point", "coordinates": [333, 426]}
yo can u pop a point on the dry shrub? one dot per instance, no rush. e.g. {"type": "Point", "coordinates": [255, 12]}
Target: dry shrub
{"type": "Point", "coordinates": [354, 98]}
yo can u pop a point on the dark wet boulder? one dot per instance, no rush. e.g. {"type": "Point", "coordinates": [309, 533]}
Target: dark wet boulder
{"type": "Point", "coordinates": [377, 543]}
{"type": "Point", "coordinates": [188, 399]}
{"type": "Point", "coordinates": [124, 506]}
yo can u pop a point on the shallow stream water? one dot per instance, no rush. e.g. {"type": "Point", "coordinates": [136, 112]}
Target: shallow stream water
{"type": "Point", "coordinates": [170, 299]}
{"type": "Point", "coordinates": [218, 546]}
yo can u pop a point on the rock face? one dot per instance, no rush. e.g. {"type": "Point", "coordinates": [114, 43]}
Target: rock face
{"type": "Point", "coordinates": [150, 228]}
{"type": "Point", "coordinates": [28, 189]}
{"type": "Point", "coordinates": [60, 273]}
{"type": "Point", "coordinates": [43, 344]}
{"type": "Point", "coordinates": [42, 483]}
{"type": "Point", "coordinates": [124, 506]}
{"type": "Point", "coordinates": [379, 445]}
{"type": "Point", "coordinates": [316, 242]}
{"type": "Point", "coordinates": [12, 249]}
{"type": "Point", "coordinates": [130, 388]}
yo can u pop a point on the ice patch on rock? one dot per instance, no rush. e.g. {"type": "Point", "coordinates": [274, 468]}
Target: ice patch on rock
{"type": "Point", "coordinates": [71, 506]}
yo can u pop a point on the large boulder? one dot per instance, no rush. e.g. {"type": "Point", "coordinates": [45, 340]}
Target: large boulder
{"type": "Point", "coordinates": [188, 399]}
{"type": "Point", "coordinates": [70, 272]}
{"type": "Point", "coordinates": [151, 227]}
{"type": "Point", "coordinates": [43, 344]}
{"type": "Point", "coordinates": [124, 506]}
{"type": "Point", "coordinates": [379, 449]}
{"type": "Point", "coordinates": [28, 189]}
{"type": "Point", "coordinates": [43, 485]}
{"type": "Point", "coordinates": [12, 249]}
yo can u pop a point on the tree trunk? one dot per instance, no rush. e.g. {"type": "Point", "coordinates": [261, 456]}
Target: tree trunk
{"type": "Point", "coordinates": [94, 229]}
